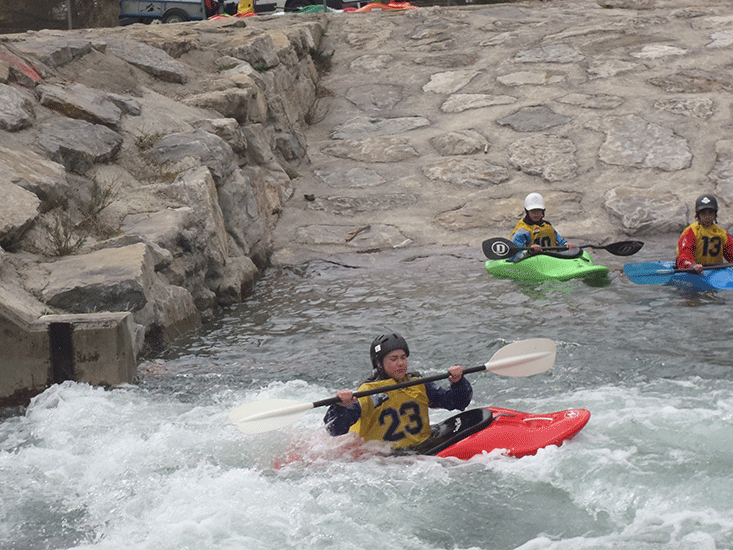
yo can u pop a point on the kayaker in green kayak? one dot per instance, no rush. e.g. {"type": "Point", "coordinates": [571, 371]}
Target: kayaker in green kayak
{"type": "Point", "coordinates": [704, 242]}
{"type": "Point", "coordinates": [533, 230]}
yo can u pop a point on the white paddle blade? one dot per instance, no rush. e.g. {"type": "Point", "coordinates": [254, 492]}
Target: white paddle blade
{"type": "Point", "coordinates": [267, 415]}
{"type": "Point", "coordinates": [524, 358]}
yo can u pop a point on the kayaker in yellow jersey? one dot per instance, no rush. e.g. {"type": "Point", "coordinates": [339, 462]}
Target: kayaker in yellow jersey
{"type": "Point", "coordinates": [533, 230]}
{"type": "Point", "coordinates": [399, 417]}
{"type": "Point", "coordinates": [704, 242]}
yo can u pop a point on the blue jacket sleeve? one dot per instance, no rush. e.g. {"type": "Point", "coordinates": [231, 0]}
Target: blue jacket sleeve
{"type": "Point", "coordinates": [560, 240]}
{"type": "Point", "coordinates": [522, 238]}
{"type": "Point", "coordinates": [339, 419]}
{"type": "Point", "coordinates": [458, 396]}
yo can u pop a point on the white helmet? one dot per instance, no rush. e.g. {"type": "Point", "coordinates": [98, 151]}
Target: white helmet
{"type": "Point", "coordinates": [534, 201]}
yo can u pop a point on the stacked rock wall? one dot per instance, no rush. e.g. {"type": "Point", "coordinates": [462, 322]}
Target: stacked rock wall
{"type": "Point", "coordinates": [144, 169]}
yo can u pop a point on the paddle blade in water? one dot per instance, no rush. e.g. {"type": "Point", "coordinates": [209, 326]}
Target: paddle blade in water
{"type": "Point", "coordinates": [649, 273]}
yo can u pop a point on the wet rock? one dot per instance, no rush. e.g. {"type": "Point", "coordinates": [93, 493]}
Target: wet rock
{"type": "Point", "coordinates": [239, 276]}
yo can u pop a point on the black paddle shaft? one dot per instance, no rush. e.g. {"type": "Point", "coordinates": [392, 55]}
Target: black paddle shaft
{"type": "Point", "coordinates": [333, 400]}
{"type": "Point", "coordinates": [499, 248]}
{"type": "Point", "coordinates": [704, 268]}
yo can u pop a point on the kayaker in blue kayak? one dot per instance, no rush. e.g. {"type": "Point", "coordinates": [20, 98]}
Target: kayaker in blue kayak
{"type": "Point", "coordinates": [533, 230]}
{"type": "Point", "coordinates": [704, 242]}
{"type": "Point", "coordinates": [399, 417]}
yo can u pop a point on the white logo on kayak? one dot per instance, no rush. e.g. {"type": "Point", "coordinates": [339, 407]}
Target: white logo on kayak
{"type": "Point", "coordinates": [572, 414]}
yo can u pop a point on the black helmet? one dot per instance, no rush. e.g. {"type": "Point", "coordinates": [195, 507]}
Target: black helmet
{"type": "Point", "coordinates": [706, 202]}
{"type": "Point", "coordinates": [383, 344]}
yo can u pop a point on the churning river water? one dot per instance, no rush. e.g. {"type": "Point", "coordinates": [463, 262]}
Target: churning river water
{"type": "Point", "coordinates": [158, 466]}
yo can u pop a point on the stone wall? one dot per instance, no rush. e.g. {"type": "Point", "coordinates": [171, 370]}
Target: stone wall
{"type": "Point", "coordinates": [144, 169]}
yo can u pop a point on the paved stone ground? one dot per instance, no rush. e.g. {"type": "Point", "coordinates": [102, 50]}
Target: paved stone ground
{"type": "Point", "coordinates": [435, 123]}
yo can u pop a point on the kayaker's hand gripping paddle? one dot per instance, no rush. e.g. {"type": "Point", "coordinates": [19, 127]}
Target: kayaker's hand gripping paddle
{"type": "Point", "coordinates": [523, 358]}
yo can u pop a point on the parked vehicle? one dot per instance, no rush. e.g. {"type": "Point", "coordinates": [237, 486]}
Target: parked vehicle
{"type": "Point", "coordinates": [171, 11]}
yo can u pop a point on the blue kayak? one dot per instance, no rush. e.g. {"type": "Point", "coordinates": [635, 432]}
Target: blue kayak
{"type": "Point", "coordinates": [663, 273]}
{"type": "Point", "coordinates": [573, 264]}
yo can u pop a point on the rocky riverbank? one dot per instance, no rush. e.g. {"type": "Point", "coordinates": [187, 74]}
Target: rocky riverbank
{"type": "Point", "coordinates": [145, 167]}
{"type": "Point", "coordinates": [159, 169]}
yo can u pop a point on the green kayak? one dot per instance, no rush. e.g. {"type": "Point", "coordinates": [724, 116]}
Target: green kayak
{"type": "Point", "coordinates": [574, 264]}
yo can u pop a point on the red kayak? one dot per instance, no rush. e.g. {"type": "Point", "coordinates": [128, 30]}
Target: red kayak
{"type": "Point", "coordinates": [477, 431]}
{"type": "Point", "coordinates": [468, 434]}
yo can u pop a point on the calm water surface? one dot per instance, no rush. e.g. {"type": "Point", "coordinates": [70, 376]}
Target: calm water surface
{"type": "Point", "coordinates": [157, 465]}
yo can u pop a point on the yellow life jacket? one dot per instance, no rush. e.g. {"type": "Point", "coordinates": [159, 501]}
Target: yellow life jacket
{"type": "Point", "coordinates": [709, 243]}
{"type": "Point", "coordinates": [399, 417]}
{"type": "Point", "coordinates": [542, 234]}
